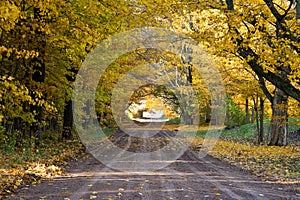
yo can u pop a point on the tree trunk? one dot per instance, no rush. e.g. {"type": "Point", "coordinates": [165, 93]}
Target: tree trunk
{"type": "Point", "coordinates": [278, 134]}
{"type": "Point", "coordinates": [257, 120]}
{"type": "Point", "coordinates": [68, 121]}
{"type": "Point", "coordinates": [252, 115]}
{"type": "Point", "coordinates": [298, 9]}
{"type": "Point", "coordinates": [189, 76]}
{"type": "Point", "coordinates": [261, 121]}
{"type": "Point", "coordinates": [186, 114]}
{"type": "Point", "coordinates": [208, 112]}
{"type": "Point", "coordinates": [38, 77]}
{"type": "Point", "coordinates": [247, 112]}
{"type": "Point", "coordinates": [230, 5]}
{"type": "Point", "coordinates": [68, 110]}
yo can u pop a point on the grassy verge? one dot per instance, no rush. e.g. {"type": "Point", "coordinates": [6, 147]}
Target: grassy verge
{"type": "Point", "coordinates": [248, 132]}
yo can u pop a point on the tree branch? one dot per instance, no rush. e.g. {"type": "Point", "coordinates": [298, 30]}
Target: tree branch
{"type": "Point", "coordinates": [273, 10]}
{"type": "Point", "coordinates": [276, 80]}
{"type": "Point", "coordinates": [264, 88]}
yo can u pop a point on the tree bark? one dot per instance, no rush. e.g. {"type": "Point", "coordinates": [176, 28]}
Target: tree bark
{"type": "Point", "coordinates": [186, 115]}
{"type": "Point", "coordinates": [68, 110]}
{"type": "Point", "coordinates": [278, 134]}
{"type": "Point", "coordinates": [189, 75]}
{"type": "Point", "coordinates": [257, 120]}
{"type": "Point", "coordinates": [261, 121]}
{"type": "Point", "coordinates": [230, 5]}
{"type": "Point", "coordinates": [247, 112]}
{"type": "Point", "coordinates": [298, 9]}
{"type": "Point", "coordinates": [252, 114]}
{"type": "Point", "coordinates": [68, 121]}
{"type": "Point", "coordinates": [208, 112]}
{"type": "Point", "coordinates": [277, 80]}
{"type": "Point", "coordinates": [38, 76]}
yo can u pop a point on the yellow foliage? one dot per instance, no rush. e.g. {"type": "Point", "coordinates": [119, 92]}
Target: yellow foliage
{"type": "Point", "coordinates": [270, 162]}
{"type": "Point", "coordinates": [8, 14]}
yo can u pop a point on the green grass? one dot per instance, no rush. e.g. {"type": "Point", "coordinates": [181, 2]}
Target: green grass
{"type": "Point", "coordinates": [248, 132]}
{"type": "Point", "coordinates": [109, 131]}
{"type": "Point", "coordinates": [294, 124]}
{"type": "Point", "coordinates": [174, 121]}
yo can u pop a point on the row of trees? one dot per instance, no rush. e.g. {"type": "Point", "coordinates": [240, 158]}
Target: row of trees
{"type": "Point", "coordinates": [263, 36]}
{"type": "Point", "coordinates": [43, 44]}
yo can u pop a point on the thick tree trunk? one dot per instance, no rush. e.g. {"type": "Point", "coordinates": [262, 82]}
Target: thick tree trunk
{"type": "Point", "coordinates": [278, 134]}
{"type": "Point", "coordinates": [68, 121]}
{"type": "Point", "coordinates": [188, 120]}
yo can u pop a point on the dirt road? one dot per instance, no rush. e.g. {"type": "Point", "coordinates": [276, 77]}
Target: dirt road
{"type": "Point", "coordinates": [187, 178]}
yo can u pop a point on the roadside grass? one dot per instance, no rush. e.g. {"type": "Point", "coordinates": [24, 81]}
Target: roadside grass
{"type": "Point", "coordinates": [248, 132]}
{"type": "Point", "coordinates": [109, 131]}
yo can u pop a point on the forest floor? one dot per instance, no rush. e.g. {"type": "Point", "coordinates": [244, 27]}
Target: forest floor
{"type": "Point", "coordinates": [188, 177]}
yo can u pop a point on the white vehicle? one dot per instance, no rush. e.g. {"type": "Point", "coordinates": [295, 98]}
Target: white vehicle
{"type": "Point", "coordinates": [153, 114]}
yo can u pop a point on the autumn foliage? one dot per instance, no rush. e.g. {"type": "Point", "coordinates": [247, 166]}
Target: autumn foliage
{"type": "Point", "coordinates": [254, 44]}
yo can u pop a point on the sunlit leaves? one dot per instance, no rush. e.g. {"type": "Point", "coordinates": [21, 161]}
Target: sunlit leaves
{"type": "Point", "coordinates": [9, 13]}
{"type": "Point", "coordinates": [270, 162]}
